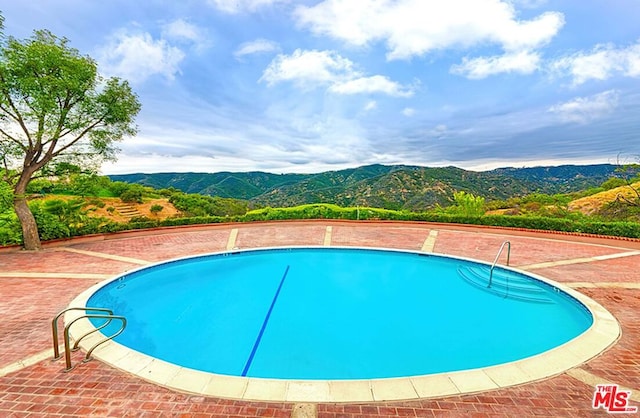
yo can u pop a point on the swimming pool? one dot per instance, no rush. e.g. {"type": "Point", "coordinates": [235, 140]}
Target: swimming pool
{"type": "Point", "coordinates": [339, 314]}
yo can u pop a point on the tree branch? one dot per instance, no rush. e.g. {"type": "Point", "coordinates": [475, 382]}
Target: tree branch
{"type": "Point", "coordinates": [14, 140]}
{"type": "Point", "coordinates": [74, 141]}
{"type": "Point", "coordinates": [620, 197]}
{"type": "Point", "coordinates": [20, 120]}
{"type": "Point", "coordinates": [8, 112]}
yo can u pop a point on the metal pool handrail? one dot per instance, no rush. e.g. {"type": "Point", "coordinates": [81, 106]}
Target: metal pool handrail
{"type": "Point", "coordinates": [508, 244]}
{"type": "Point", "coordinates": [67, 349]}
{"type": "Point", "coordinates": [54, 325]}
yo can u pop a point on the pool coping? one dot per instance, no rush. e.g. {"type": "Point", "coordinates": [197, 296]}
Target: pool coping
{"type": "Point", "coordinates": [603, 333]}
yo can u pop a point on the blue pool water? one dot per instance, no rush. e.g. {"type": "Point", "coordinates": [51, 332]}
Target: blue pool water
{"type": "Point", "coordinates": [337, 313]}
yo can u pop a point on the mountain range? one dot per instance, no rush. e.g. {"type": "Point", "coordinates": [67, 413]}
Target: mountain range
{"type": "Point", "coordinates": [392, 187]}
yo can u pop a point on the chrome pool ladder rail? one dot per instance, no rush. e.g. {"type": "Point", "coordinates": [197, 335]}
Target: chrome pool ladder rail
{"type": "Point", "coordinates": [108, 315]}
{"type": "Point", "coordinates": [54, 325]}
{"type": "Point", "coordinates": [508, 244]}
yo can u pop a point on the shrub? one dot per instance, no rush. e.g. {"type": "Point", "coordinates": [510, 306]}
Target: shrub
{"type": "Point", "coordinates": [155, 209]}
{"type": "Point", "coordinates": [132, 195]}
{"type": "Point", "coordinates": [67, 211]}
{"type": "Point", "coordinates": [10, 230]}
{"type": "Point", "coordinates": [613, 182]}
{"type": "Point", "coordinates": [50, 227]}
{"type": "Point", "coordinates": [199, 205]}
{"type": "Point", "coordinates": [97, 203]}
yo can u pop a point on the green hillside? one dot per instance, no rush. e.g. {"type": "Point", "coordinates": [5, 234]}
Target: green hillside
{"type": "Point", "coordinates": [396, 187]}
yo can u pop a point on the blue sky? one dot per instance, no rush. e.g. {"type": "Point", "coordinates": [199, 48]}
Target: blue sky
{"type": "Point", "coordinates": [307, 86]}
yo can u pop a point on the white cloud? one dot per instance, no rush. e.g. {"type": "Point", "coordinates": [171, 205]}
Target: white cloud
{"type": "Point", "coordinates": [408, 111]}
{"type": "Point", "coordinates": [188, 33]}
{"type": "Point", "coordinates": [373, 84]}
{"type": "Point", "coordinates": [240, 6]}
{"type": "Point", "coordinates": [417, 27]}
{"type": "Point", "coordinates": [529, 4]}
{"type": "Point", "coordinates": [309, 68]}
{"type": "Point", "coordinates": [601, 63]}
{"type": "Point", "coordinates": [586, 109]}
{"type": "Point", "coordinates": [523, 62]}
{"type": "Point", "coordinates": [181, 29]}
{"type": "Point", "coordinates": [259, 46]}
{"type": "Point", "coordinates": [371, 105]}
{"type": "Point", "coordinates": [137, 56]}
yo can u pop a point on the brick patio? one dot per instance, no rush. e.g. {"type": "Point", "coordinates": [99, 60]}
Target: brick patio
{"type": "Point", "coordinates": [35, 286]}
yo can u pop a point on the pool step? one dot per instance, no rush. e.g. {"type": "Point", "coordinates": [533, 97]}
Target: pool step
{"type": "Point", "coordinates": [504, 284]}
{"type": "Point", "coordinates": [502, 280]}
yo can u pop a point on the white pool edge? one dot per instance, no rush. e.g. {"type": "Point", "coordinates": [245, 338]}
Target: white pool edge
{"type": "Point", "coordinates": [603, 333]}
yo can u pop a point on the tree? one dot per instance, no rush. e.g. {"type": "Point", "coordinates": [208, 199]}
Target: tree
{"type": "Point", "coordinates": [55, 109]}
{"type": "Point", "coordinates": [467, 204]}
{"type": "Point", "coordinates": [631, 176]}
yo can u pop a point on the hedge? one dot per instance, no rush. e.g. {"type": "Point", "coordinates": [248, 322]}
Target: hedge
{"type": "Point", "coordinates": [328, 211]}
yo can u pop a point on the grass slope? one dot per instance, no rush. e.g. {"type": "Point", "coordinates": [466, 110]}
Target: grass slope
{"type": "Point", "coordinates": [593, 204]}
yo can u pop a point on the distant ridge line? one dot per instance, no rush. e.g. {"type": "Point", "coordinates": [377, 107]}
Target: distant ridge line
{"type": "Point", "coordinates": [399, 187]}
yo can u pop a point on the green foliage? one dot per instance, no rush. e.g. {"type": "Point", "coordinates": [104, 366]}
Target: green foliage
{"type": "Point", "coordinates": [133, 194]}
{"type": "Point", "coordinates": [467, 204]}
{"type": "Point", "coordinates": [613, 182]}
{"type": "Point", "coordinates": [52, 228]}
{"type": "Point", "coordinates": [198, 205]}
{"type": "Point", "coordinates": [167, 193]}
{"type": "Point", "coordinates": [620, 210]}
{"type": "Point", "coordinates": [97, 203]}
{"type": "Point", "coordinates": [156, 209]}
{"type": "Point", "coordinates": [41, 186]}
{"type": "Point", "coordinates": [630, 172]}
{"type": "Point", "coordinates": [6, 198]}
{"type": "Point", "coordinates": [10, 232]}
{"type": "Point", "coordinates": [67, 211]}
{"type": "Point", "coordinates": [49, 225]}
{"type": "Point", "coordinates": [87, 184]}
{"type": "Point", "coordinates": [584, 193]}
{"type": "Point", "coordinates": [538, 204]}
{"type": "Point", "coordinates": [118, 187]}
{"type": "Point", "coordinates": [129, 193]}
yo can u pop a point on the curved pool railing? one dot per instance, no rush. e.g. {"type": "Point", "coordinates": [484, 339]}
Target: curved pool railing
{"type": "Point", "coordinates": [109, 316]}
{"type": "Point", "coordinates": [54, 327]}
{"type": "Point", "coordinates": [508, 244]}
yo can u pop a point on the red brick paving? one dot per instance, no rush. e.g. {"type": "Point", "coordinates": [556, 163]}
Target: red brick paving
{"type": "Point", "coordinates": [621, 363]}
{"type": "Point", "coordinates": [274, 235]}
{"type": "Point", "coordinates": [162, 247]}
{"type": "Point", "coordinates": [523, 250]}
{"type": "Point", "coordinates": [52, 261]}
{"type": "Point", "coordinates": [620, 270]}
{"type": "Point", "coordinates": [26, 309]}
{"type": "Point", "coordinates": [96, 389]}
{"type": "Point", "coordinates": [410, 238]}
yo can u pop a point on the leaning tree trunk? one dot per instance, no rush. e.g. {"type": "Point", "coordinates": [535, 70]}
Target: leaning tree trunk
{"type": "Point", "coordinates": [30, 235]}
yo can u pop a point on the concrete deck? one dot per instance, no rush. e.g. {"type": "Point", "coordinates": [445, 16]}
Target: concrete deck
{"type": "Point", "coordinates": [35, 286]}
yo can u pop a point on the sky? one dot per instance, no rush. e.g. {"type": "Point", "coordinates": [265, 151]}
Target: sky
{"type": "Point", "coordinates": [306, 86]}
